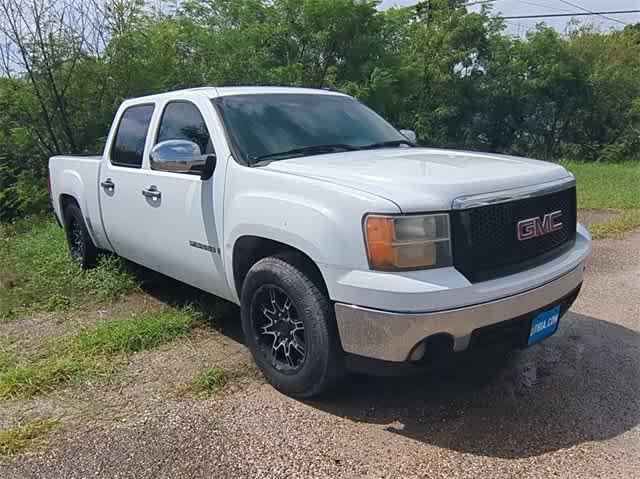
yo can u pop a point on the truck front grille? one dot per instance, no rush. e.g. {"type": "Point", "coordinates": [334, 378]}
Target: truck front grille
{"type": "Point", "coordinates": [485, 239]}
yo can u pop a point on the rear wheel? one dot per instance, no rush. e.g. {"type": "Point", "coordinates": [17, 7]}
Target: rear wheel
{"type": "Point", "coordinates": [81, 247]}
{"type": "Point", "coordinates": [290, 327]}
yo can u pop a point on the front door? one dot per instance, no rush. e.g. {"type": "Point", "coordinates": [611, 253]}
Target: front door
{"type": "Point", "coordinates": [181, 235]}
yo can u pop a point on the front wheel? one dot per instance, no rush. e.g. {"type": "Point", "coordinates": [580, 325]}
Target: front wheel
{"type": "Point", "coordinates": [290, 328]}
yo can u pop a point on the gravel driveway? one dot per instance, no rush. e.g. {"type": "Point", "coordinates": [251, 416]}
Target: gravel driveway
{"type": "Point", "coordinates": [569, 407]}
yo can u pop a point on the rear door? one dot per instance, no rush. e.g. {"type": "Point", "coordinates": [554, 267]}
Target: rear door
{"type": "Point", "coordinates": [121, 180]}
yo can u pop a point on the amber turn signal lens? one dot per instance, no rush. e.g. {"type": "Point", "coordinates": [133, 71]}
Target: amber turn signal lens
{"type": "Point", "coordinates": [380, 242]}
{"type": "Point", "coordinates": [408, 242]}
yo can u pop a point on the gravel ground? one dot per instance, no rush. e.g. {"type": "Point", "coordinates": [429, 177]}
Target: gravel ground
{"type": "Point", "coordinates": [569, 407]}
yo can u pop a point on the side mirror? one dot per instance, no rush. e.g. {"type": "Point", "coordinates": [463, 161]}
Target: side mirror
{"type": "Point", "coordinates": [182, 156]}
{"type": "Point", "coordinates": [409, 135]}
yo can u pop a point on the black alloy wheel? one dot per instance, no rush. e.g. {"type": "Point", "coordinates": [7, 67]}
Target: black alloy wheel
{"type": "Point", "coordinates": [278, 329]}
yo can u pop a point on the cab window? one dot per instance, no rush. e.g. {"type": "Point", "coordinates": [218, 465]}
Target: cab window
{"type": "Point", "coordinates": [182, 122]}
{"type": "Point", "coordinates": [128, 145]}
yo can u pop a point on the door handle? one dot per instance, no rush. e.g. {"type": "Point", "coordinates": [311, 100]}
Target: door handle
{"type": "Point", "coordinates": [152, 192]}
{"type": "Point", "coordinates": [108, 184]}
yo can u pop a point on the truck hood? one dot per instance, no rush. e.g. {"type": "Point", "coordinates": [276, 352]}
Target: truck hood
{"type": "Point", "coordinates": [422, 179]}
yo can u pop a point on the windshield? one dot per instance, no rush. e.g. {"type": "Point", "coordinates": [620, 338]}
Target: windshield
{"type": "Point", "coordinates": [281, 126]}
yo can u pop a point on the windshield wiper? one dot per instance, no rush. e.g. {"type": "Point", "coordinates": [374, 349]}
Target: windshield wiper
{"type": "Point", "coordinates": [319, 149]}
{"type": "Point", "coordinates": [384, 144]}
{"type": "Point", "coordinates": [316, 149]}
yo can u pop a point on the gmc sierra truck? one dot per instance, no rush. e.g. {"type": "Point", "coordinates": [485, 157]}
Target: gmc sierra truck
{"type": "Point", "coordinates": [331, 229]}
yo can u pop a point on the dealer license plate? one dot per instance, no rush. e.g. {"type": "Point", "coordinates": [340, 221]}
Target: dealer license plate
{"type": "Point", "coordinates": [544, 324]}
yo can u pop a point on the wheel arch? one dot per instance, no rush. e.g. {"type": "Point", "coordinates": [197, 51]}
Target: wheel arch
{"type": "Point", "coordinates": [65, 200]}
{"type": "Point", "coordinates": [249, 249]}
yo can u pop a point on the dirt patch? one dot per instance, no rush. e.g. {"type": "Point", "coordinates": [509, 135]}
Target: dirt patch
{"type": "Point", "coordinates": [29, 334]}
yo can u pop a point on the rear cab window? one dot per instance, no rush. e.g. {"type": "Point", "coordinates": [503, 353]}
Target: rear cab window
{"type": "Point", "coordinates": [131, 136]}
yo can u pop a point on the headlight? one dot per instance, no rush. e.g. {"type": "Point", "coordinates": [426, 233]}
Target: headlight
{"type": "Point", "coordinates": [408, 242]}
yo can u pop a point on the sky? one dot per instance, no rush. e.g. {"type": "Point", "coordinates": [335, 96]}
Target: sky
{"type": "Point", "coordinates": [534, 7]}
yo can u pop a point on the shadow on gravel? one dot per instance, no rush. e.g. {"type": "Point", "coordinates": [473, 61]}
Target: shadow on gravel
{"type": "Point", "coordinates": [583, 384]}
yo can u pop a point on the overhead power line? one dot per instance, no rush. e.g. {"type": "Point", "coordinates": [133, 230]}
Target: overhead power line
{"type": "Point", "coordinates": [575, 14]}
{"type": "Point", "coordinates": [563, 10]}
{"type": "Point", "coordinates": [566, 2]}
{"type": "Point", "coordinates": [482, 2]}
{"type": "Point", "coordinates": [585, 11]}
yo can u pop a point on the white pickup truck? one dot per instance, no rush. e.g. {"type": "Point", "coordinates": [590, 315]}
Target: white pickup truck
{"type": "Point", "coordinates": [334, 233]}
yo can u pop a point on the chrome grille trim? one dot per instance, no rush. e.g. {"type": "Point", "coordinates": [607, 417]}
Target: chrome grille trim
{"type": "Point", "coordinates": [505, 196]}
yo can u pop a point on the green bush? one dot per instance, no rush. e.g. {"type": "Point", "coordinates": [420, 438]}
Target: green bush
{"type": "Point", "coordinates": [27, 196]}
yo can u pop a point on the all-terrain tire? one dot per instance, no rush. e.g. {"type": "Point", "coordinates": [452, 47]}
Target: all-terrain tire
{"type": "Point", "coordinates": [81, 247]}
{"type": "Point", "coordinates": [323, 363]}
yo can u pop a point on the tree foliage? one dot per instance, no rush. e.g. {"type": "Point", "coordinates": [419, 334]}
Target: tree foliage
{"type": "Point", "coordinates": [450, 74]}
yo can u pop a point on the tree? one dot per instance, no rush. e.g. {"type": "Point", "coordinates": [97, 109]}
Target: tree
{"type": "Point", "coordinates": [450, 74]}
{"type": "Point", "coordinates": [46, 41]}
{"type": "Point", "coordinates": [610, 126]}
{"type": "Point", "coordinates": [446, 45]}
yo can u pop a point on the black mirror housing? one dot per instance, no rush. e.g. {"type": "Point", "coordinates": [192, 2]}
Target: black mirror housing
{"type": "Point", "coordinates": [209, 167]}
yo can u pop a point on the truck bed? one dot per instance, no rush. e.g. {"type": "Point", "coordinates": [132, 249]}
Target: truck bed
{"type": "Point", "coordinates": [77, 175]}
{"type": "Point", "coordinates": [76, 157]}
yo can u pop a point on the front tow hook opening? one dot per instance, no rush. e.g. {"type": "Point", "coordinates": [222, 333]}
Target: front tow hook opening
{"type": "Point", "coordinates": [434, 349]}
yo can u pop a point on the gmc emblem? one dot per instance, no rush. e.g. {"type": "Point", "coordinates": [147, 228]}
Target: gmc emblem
{"type": "Point", "coordinates": [534, 227]}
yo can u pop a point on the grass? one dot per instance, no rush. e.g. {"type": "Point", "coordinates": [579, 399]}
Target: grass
{"type": "Point", "coordinates": [210, 381]}
{"type": "Point", "coordinates": [92, 352]}
{"type": "Point", "coordinates": [609, 186]}
{"type": "Point", "coordinates": [37, 274]}
{"type": "Point", "coordinates": [214, 380]}
{"type": "Point", "coordinates": [6, 360]}
{"type": "Point", "coordinates": [7, 357]}
{"type": "Point", "coordinates": [618, 226]}
{"type": "Point", "coordinates": [46, 374]}
{"type": "Point", "coordinates": [126, 336]}
{"type": "Point", "coordinates": [27, 434]}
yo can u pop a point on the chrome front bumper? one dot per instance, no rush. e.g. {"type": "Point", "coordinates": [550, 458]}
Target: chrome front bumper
{"type": "Point", "coordinates": [391, 336]}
